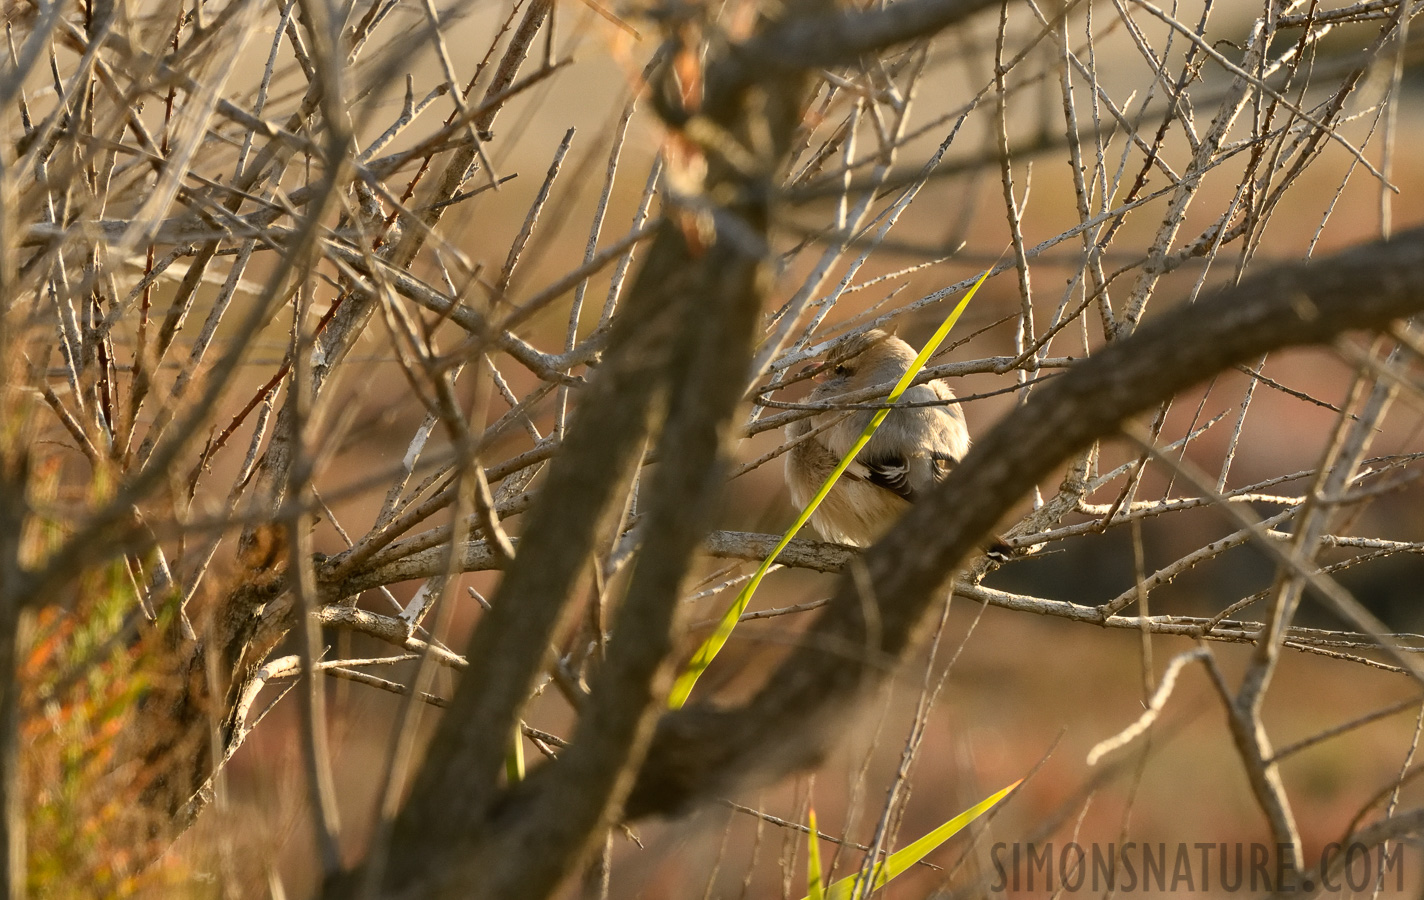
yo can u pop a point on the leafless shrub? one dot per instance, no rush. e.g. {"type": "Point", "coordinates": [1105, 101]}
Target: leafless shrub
{"type": "Point", "coordinates": [213, 217]}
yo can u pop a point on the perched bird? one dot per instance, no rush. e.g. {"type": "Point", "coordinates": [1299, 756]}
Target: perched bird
{"type": "Point", "coordinates": [911, 451]}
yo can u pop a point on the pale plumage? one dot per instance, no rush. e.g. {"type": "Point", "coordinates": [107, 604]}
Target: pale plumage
{"type": "Point", "coordinates": [912, 450]}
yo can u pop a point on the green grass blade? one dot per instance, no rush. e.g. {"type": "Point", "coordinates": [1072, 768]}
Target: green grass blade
{"type": "Point", "coordinates": [682, 688]}
{"type": "Point", "coordinates": [906, 857]}
{"type": "Point", "coordinates": [815, 882]}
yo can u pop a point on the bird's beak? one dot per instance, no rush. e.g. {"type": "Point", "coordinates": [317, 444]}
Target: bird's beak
{"type": "Point", "coordinates": [817, 372]}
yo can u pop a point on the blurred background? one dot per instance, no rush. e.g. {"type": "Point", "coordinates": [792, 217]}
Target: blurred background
{"type": "Point", "coordinates": [996, 695]}
{"type": "Point", "coordinates": [1013, 693]}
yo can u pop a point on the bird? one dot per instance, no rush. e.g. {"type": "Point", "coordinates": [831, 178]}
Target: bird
{"type": "Point", "coordinates": [912, 451]}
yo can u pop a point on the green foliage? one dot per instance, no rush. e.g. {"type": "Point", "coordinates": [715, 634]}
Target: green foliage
{"type": "Point", "coordinates": [83, 673]}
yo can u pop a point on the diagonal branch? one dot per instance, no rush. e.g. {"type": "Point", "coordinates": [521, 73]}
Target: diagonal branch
{"type": "Point", "coordinates": [702, 751]}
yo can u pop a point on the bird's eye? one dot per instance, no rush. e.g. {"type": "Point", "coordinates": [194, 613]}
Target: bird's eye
{"type": "Point", "coordinates": [842, 369]}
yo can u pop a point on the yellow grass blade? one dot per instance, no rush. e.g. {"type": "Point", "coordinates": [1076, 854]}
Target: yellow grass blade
{"type": "Point", "coordinates": [902, 859]}
{"type": "Point", "coordinates": [814, 879]}
{"type": "Point", "coordinates": [514, 760]}
{"type": "Point", "coordinates": [682, 688]}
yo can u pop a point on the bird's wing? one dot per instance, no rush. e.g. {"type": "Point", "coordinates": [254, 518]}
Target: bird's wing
{"type": "Point", "coordinates": [889, 472]}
